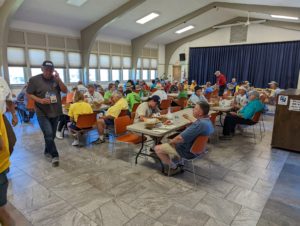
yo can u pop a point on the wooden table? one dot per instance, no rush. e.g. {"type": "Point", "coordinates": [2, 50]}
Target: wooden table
{"type": "Point", "coordinates": [160, 132]}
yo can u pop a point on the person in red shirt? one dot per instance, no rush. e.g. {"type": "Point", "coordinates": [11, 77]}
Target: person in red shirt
{"type": "Point", "coordinates": [221, 82]}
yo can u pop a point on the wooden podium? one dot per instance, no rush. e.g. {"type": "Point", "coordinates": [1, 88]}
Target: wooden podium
{"type": "Point", "coordinates": [286, 131]}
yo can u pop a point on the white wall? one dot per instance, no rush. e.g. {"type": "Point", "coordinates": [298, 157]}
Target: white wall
{"type": "Point", "coordinates": [256, 34]}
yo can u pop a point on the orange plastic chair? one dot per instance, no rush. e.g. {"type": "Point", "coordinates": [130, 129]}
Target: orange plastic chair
{"type": "Point", "coordinates": [165, 104]}
{"type": "Point", "coordinates": [123, 136]}
{"type": "Point", "coordinates": [175, 109]}
{"type": "Point", "coordinates": [69, 98]}
{"type": "Point", "coordinates": [199, 145]}
{"type": "Point", "coordinates": [123, 113]}
{"type": "Point", "coordinates": [153, 90]}
{"type": "Point", "coordinates": [64, 100]}
{"type": "Point", "coordinates": [86, 121]}
{"type": "Point", "coordinates": [135, 106]}
{"type": "Point", "coordinates": [215, 93]}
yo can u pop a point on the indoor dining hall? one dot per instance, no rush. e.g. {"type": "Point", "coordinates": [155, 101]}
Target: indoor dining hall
{"type": "Point", "coordinates": [149, 113]}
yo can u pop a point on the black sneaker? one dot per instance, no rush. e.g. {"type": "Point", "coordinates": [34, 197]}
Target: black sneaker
{"type": "Point", "coordinates": [55, 162]}
{"type": "Point", "coordinates": [176, 171]}
{"type": "Point", "coordinates": [99, 141]}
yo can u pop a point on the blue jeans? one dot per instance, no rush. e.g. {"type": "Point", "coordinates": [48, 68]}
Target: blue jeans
{"type": "Point", "coordinates": [48, 127]}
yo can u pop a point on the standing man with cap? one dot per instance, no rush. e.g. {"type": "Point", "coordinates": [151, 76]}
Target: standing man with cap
{"type": "Point", "coordinates": [221, 82]}
{"type": "Point", "coordinates": [45, 90]}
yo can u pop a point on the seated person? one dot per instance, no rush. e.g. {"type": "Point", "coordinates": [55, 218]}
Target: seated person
{"type": "Point", "coordinates": [208, 88]}
{"type": "Point", "coordinates": [231, 85]}
{"type": "Point", "coordinates": [174, 87]}
{"type": "Point", "coordinates": [22, 102]}
{"type": "Point", "coordinates": [241, 99]}
{"type": "Point", "coordinates": [81, 88]}
{"type": "Point", "coordinates": [120, 89]}
{"type": "Point", "coordinates": [160, 92]}
{"type": "Point", "coordinates": [193, 85]}
{"type": "Point", "coordinates": [197, 96]}
{"type": "Point", "coordinates": [147, 109]}
{"type": "Point", "coordinates": [132, 98]}
{"type": "Point", "coordinates": [153, 86]}
{"type": "Point", "coordinates": [79, 107]}
{"type": "Point", "coordinates": [180, 146]}
{"type": "Point", "coordinates": [186, 85]}
{"type": "Point", "coordinates": [167, 86]}
{"type": "Point", "coordinates": [275, 90]}
{"type": "Point", "coordinates": [243, 116]}
{"type": "Point", "coordinates": [93, 97]}
{"type": "Point", "coordinates": [182, 93]}
{"type": "Point", "coordinates": [119, 104]}
{"type": "Point", "coordinates": [109, 92]}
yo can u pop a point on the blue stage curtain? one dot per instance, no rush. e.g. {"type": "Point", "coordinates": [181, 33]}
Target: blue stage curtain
{"type": "Point", "coordinates": [257, 63]}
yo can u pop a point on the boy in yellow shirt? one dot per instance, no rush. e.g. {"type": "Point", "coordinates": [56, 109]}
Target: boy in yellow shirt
{"type": "Point", "coordinates": [113, 112]}
{"type": "Point", "coordinates": [80, 107]}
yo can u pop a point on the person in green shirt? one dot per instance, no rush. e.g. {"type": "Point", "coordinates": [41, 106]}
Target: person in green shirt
{"type": "Point", "coordinates": [243, 116]}
{"type": "Point", "coordinates": [132, 98]}
{"type": "Point", "coordinates": [109, 93]}
{"type": "Point", "coordinates": [181, 92]}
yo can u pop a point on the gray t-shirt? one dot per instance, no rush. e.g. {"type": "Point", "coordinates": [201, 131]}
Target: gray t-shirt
{"type": "Point", "coordinates": [201, 127]}
{"type": "Point", "coordinates": [39, 86]}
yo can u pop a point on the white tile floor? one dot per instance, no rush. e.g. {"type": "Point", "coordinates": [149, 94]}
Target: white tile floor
{"type": "Point", "coordinates": [94, 186]}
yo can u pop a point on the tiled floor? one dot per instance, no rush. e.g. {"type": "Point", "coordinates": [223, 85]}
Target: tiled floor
{"type": "Point", "coordinates": [95, 186]}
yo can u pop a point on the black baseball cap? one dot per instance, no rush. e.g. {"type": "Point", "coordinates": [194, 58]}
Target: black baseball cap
{"type": "Point", "coordinates": [155, 98]}
{"type": "Point", "coordinates": [48, 64]}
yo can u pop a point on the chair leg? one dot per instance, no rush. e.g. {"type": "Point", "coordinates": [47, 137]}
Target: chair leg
{"type": "Point", "coordinates": [194, 173]}
{"type": "Point", "coordinates": [254, 135]}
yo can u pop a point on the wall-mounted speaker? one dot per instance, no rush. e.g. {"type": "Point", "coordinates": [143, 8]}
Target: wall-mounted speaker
{"type": "Point", "coordinates": [182, 56]}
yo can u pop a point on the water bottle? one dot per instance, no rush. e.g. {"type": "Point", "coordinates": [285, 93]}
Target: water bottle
{"type": "Point", "coordinates": [170, 115]}
{"type": "Point", "coordinates": [47, 95]}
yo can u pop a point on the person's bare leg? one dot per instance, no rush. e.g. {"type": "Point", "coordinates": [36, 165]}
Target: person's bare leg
{"type": "Point", "coordinates": [162, 155]}
{"type": "Point", "coordinates": [100, 126]}
{"type": "Point", "coordinates": [5, 218]}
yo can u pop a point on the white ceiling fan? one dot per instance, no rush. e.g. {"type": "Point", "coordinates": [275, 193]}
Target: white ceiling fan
{"type": "Point", "coordinates": [247, 23]}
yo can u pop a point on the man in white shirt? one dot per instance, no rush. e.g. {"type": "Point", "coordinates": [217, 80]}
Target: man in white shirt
{"type": "Point", "coordinates": [93, 97]}
{"type": "Point", "coordinates": [241, 99]}
{"type": "Point", "coordinates": [160, 92]}
{"type": "Point", "coordinates": [6, 101]}
{"type": "Point", "coordinates": [197, 96]}
{"type": "Point", "coordinates": [147, 109]}
{"type": "Point", "coordinates": [81, 88]}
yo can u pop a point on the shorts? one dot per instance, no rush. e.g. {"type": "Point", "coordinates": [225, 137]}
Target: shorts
{"type": "Point", "coordinates": [170, 150]}
{"type": "Point", "coordinates": [109, 122]}
{"type": "Point", "coordinates": [3, 188]}
{"type": "Point", "coordinates": [73, 126]}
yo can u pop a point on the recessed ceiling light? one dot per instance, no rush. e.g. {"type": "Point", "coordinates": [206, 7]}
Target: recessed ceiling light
{"type": "Point", "coordinates": [77, 3]}
{"type": "Point", "coordinates": [190, 27]}
{"type": "Point", "coordinates": [147, 18]}
{"type": "Point", "coordinates": [285, 17]}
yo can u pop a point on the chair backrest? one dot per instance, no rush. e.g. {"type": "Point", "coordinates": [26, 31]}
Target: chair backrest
{"type": "Point", "coordinates": [132, 116]}
{"type": "Point", "coordinates": [121, 124]}
{"type": "Point", "coordinates": [199, 145]}
{"type": "Point", "coordinates": [213, 118]}
{"type": "Point", "coordinates": [215, 92]}
{"type": "Point", "coordinates": [64, 100]}
{"type": "Point", "coordinates": [86, 121]}
{"type": "Point", "coordinates": [165, 104]}
{"type": "Point", "coordinates": [30, 104]}
{"type": "Point", "coordinates": [153, 90]}
{"type": "Point", "coordinates": [123, 113]}
{"type": "Point", "coordinates": [135, 106]}
{"type": "Point", "coordinates": [256, 116]}
{"type": "Point", "coordinates": [69, 98]}
{"type": "Point", "coordinates": [175, 109]}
